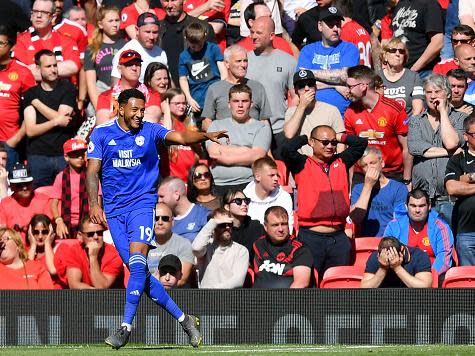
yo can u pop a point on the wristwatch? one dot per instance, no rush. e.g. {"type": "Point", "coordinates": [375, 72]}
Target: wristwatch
{"type": "Point", "coordinates": [407, 181]}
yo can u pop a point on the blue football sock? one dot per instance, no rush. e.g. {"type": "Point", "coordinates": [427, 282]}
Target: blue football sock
{"type": "Point", "coordinates": [138, 276]}
{"type": "Point", "coordinates": [159, 295]}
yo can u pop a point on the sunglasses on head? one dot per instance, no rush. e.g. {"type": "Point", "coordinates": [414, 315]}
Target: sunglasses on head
{"type": "Point", "coordinates": [239, 201]}
{"type": "Point", "coordinates": [394, 50]}
{"type": "Point", "coordinates": [225, 225]}
{"type": "Point", "coordinates": [91, 234]}
{"type": "Point", "coordinates": [164, 218]}
{"type": "Point", "coordinates": [205, 175]}
{"type": "Point", "coordinates": [42, 232]}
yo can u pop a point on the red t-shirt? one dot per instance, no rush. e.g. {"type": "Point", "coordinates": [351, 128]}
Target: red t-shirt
{"type": "Point", "coordinates": [444, 66]}
{"type": "Point", "coordinates": [420, 240]}
{"type": "Point", "coordinates": [381, 126]}
{"type": "Point", "coordinates": [75, 31]}
{"type": "Point", "coordinates": [25, 48]}
{"type": "Point", "coordinates": [130, 15]}
{"type": "Point", "coordinates": [108, 100]}
{"type": "Point", "coordinates": [277, 42]}
{"type": "Point", "coordinates": [179, 162]}
{"type": "Point", "coordinates": [355, 33]}
{"type": "Point", "coordinates": [15, 80]}
{"type": "Point", "coordinates": [212, 15]}
{"type": "Point", "coordinates": [12, 213]}
{"type": "Point", "coordinates": [33, 276]}
{"type": "Point", "coordinates": [73, 255]}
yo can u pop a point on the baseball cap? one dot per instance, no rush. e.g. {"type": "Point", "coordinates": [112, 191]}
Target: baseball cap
{"type": "Point", "coordinates": [74, 144]}
{"type": "Point", "coordinates": [329, 12]}
{"type": "Point", "coordinates": [19, 174]}
{"type": "Point", "coordinates": [303, 74]}
{"type": "Point", "coordinates": [129, 56]}
{"type": "Point", "coordinates": [170, 262]}
{"type": "Point", "coordinates": [147, 18]}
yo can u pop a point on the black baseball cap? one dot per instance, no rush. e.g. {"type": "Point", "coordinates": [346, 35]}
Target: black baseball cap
{"type": "Point", "coordinates": [20, 174]}
{"type": "Point", "coordinates": [303, 75]}
{"type": "Point", "coordinates": [329, 12]}
{"type": "Point", "coordinates": [170, 263]}
{"type": "Point", "coordinates": [147, 18]}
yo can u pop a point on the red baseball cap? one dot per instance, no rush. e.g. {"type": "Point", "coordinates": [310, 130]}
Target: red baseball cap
{"type": "Point", "coordinates": [74, 144]}
{"type": "Point", "coordinates": [129, 56]}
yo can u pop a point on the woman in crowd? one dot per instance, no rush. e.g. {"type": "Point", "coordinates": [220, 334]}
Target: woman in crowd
{"type": "Point", "coordinates": [41, 237]}
{"type": "Point", "coordinates": [200, 187]}
{"type": "Point", "coordinates": [180, 158]}
{"type": "Point", "coordinates": [157, 80]}
{"type": "Point", "coordinates": [106, 41]}
{"type": "Point", "coordinates": [16, 270]}
{"type": "Point", "coordinates": [401, 84]}
{"type": "Point", "coordinates": [245, 230]}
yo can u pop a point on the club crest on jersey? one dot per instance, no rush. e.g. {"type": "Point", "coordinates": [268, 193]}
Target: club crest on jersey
{"type": "Point", "coordinates": [382, 122]}
{"type": "Point", "coordinates": [13, 76]}
{"type": "Point", "coordinates": [190, 226]}
{"type": "Point", "coordinates": [140, 140]}
{"type": "Point", "coordinates": [90, 147]}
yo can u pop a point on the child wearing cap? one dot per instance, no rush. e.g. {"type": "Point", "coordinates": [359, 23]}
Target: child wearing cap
{"type": "Point", "coordinates": [200, 65]}
{"type": "Point", "coordinates": [69, 188]}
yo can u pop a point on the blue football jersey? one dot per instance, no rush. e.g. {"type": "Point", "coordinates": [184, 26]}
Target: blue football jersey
{"type": "Point", "coordinates": [129, 175]}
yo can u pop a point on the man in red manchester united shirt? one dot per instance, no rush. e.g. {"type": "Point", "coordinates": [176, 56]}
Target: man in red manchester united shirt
{"type": "Point", "coordinates": [382, 120]}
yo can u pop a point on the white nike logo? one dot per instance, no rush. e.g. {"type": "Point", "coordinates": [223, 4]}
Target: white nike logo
{"type": "Point", "coordinates": [469, 162]}
{"type": "Point", "coordinates": [196, 71]}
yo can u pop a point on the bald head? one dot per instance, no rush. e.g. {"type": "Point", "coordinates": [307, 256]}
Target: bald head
{"type": "Point", "coordinates": [262, 33]}
{"type": "Point", "coordinates": [163, 209]}
{"type": "Point", "coordinates": [465, 57]}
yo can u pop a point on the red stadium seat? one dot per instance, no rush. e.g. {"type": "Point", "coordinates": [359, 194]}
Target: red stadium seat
{"type": "Point", "coordinates": [364, 247]}
{"type": "Point", "coordinates": [460, 277]}
{"type": "Point", "coordinates": [283, 173]}
{"type": "Point", "coordinates": [126, 276]}
{"type": "Point", "coordinates": [342, 277]}
{"type": "Point", "coordinates": [315, 277]}
{"type": "Point", "coordinates": [249, 281]}
{"type": "Point", "coordinates": [435, 279]}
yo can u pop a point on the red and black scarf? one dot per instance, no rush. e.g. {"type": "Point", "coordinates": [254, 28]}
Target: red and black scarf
{"type": "Point", "coordinates": [66, 197]}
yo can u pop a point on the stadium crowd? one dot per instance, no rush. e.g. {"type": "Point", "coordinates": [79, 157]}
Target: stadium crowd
{"type": "Point", "coordinates": [348, 120]}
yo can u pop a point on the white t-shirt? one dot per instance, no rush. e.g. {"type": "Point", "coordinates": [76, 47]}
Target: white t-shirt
{"type": "Point", "coordinates": [156, 54]}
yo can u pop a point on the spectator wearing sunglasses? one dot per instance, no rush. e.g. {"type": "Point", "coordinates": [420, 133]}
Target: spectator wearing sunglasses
{"type": "Point", "coordinates": [189, 217]}
{"type": "Point", "coordinates": [401, 84]}
{"type": "Point", "coordinates": [201, 187]}
{"type": "Point", "coordinates": [222, 263]}
{"type": "Point", "coordinates": [323, 192]}
{"type": "Point", "coordinates": [381, 120]}
{"type": "Point", "coordinates": [17, 210]}
{"type": "Point", "coordinates": [309, 113]}
{"type": "Point", "coordinates": [89, 262]}
{"type": "Point", "coordinates": [245, 230]}
{"type": "Point", "coordinates": [461, 34]}
{"type": "Point", "coordinates": [168, 243]}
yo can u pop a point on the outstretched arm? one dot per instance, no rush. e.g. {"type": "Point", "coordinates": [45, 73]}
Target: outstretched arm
{"type": "Point", "coordinates": [189, 137]}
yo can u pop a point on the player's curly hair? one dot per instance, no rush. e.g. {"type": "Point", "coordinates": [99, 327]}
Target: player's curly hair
{"type": "Point", "coordinates": [126, 94]}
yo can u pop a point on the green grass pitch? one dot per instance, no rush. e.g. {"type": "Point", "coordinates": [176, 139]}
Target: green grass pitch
{"type": "Point", "coordinates": [275, 350]}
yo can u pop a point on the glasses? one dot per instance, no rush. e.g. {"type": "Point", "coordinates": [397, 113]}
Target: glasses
{"type": "Point", "coordinates": [471, 134]}
{"type": "Point", "coordinates": [42, 232]}
{"type": "Point", "coordinates": [399, 50]}
{"type": "Point", "coordinates": [4, 44]}
{"type": "Point", "coordinates": [327, 142]}
{"type": "Point", "coordinates": [465, 41]}
{"type": "Point", "coordinates": [305, 83]}
{"type": "Point", "coordinates": [91, 234]}
{"type": "Point", "coordinates": [239, 201]}
{"type": "Point", "coordinates": [41, 13]}
{"type": "Point", "coordinates": [164, 218]}
{"type": "Point", "coordinates": [354, 85]}
{"type": "Point", "coordinates": [178, 103]}
{"type": "Point", "coordinates": [205, 175]}
{"type": "Point", "coordinates": [225, 225]}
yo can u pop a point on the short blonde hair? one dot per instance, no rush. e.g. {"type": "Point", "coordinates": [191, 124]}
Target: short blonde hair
{"type": "Point", "coordinates": [391, 44]}
{"type": "Point", "coordinates": [15, 236]}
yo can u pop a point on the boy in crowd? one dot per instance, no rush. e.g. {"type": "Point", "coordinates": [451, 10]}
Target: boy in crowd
{"type": "Point", "coordinates": [200, 65]}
